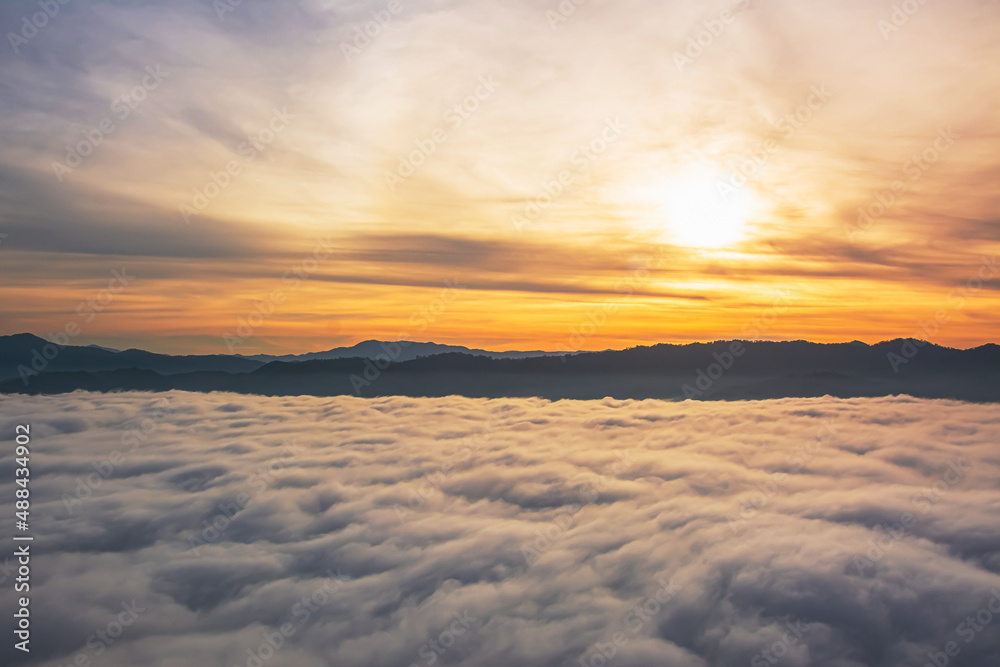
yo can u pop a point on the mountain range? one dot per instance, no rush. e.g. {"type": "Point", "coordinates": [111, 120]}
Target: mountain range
{"type": "Point", "coordinates": [409, 350]}
{"type": "Point", "coordinates": [729, 370]}
{"type": "Point", "coordinates": [36, 355]}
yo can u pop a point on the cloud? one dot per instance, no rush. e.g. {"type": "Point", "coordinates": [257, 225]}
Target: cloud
{"type": "Point", "coordinates": [357, 118]}
{"type": "Point", "coordinates": [455, 531]}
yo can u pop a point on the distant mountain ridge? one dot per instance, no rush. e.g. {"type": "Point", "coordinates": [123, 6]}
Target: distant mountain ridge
{"type": "Point", "coordinates": [29, 352]}
{"type": "Point", "coordinates": [370, 349]}
{"type": "Point", "coordinates": [727, 370]}
{"type": "Point", "coordinates": [34, 354]}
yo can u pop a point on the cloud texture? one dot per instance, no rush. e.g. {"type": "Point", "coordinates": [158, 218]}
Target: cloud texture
{"type": "Point", "coordinates": [903, 105]}
{"type": "Point", "coordinates": [186, 529]}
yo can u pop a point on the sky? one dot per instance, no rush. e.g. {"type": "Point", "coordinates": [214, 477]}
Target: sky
{"type": "Point", "coordinates": [283, 177]}
{"type": "Point", "coordinates": [205, 529]}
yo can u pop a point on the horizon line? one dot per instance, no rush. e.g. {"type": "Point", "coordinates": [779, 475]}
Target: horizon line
{"type": "Point", "coordinates": [540, 352]}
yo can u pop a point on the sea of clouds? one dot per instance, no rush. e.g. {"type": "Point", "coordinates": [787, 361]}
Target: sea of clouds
{"type": "Point", "coordinates": [189, 529]}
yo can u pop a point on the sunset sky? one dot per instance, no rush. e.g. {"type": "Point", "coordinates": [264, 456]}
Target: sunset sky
{"type": "Point", "coordinates": [499, 174]}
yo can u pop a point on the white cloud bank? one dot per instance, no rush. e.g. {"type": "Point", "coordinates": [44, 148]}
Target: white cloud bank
{"type": "Point", "coordinates": [819, 532]}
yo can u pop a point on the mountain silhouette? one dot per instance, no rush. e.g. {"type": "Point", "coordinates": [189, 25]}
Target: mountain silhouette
{"type": "Point", "coordinates": [370, 349]}
{"type": "Point", "coordinates": [725, 370]}
{"type": "Point", "coordinates": [37, 354]}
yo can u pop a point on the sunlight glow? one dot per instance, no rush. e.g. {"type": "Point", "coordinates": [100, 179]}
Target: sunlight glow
{"type": "Point", "coordinates": [700, 210]}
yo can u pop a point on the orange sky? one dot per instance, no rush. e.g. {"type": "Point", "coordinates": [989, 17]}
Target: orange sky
{"type": "Point", "coordinates": [495, 176]}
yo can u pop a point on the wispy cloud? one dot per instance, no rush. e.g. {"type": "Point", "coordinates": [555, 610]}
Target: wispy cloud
{"type": "Point", "coordinates": [355, 117]}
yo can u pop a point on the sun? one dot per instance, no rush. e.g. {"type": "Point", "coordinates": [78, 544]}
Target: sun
{"type": "Point", "coordinates": [700, 209]}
